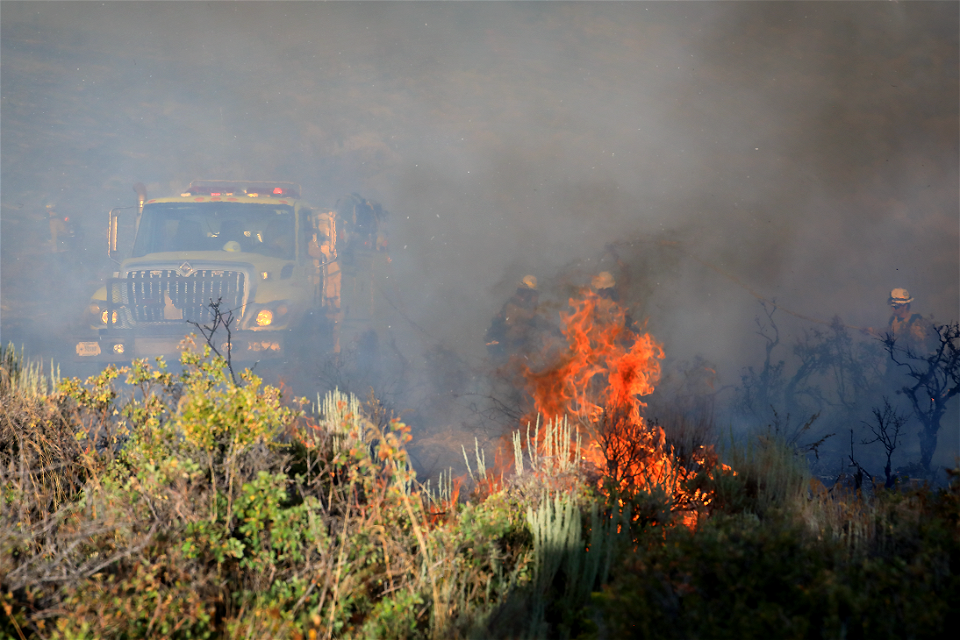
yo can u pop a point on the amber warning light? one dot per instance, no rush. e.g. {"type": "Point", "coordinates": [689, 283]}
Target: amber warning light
{"type": "Point", "coordinates": [251, 189]}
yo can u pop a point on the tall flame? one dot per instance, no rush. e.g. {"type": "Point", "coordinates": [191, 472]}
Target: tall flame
{"type": "Point", "coordinates": [600, 378]}
{"type": "Point", "coordinates": [606, 365]}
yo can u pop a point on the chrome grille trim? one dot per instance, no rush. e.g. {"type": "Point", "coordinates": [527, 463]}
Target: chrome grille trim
{"type": "Point", "coordinates": [161, 297]}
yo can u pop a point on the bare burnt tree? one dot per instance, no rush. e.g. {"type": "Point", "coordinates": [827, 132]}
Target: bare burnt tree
{"type": "Point", "coordinates": [793, 436]}
{"type": "Point", "coordinates": [208, 331]}
{"type": "Point", "coordinates": [687, 429]}
{"type": "Point", "coordinates": [834, 356]}
{"type": "Point", "coordinates": [763, 389]}
{"type": "Point", "coordinates": [886, 428]}
{"type": "Point", "coordinates": [936, 380]}
{"type": "Point", "coordinates": [829, 377]}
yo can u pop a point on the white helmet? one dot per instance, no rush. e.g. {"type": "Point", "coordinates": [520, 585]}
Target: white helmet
{"type": "Point", "coordinates": [899, 297]}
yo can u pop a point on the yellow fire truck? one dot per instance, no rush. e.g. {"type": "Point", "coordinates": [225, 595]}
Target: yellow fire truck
{"type": "Point", "coordinates": [287, 274]}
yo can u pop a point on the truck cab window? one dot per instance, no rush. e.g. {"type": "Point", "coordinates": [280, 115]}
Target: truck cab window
{"type": "Point", "coordinates": [216, 226]}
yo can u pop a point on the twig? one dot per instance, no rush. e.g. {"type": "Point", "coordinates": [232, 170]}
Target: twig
{"type": "Point", "coordinates": [208, 332]}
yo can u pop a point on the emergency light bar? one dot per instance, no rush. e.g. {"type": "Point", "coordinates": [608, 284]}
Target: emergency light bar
{"type": "Point", "coordinates": [242, 187]}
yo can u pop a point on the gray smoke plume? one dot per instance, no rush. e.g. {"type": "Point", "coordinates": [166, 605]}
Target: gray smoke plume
{"type": "Point", "coordinates": [805, 151]}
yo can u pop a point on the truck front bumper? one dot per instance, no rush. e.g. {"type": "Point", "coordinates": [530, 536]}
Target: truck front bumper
{"type": "Point", "coordinates": [124, 346]}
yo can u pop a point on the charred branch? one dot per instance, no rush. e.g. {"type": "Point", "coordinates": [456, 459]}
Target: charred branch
{"type": "Point", "coordinates": [208, 331]}
{"type": "Point", "coordinates": [886, 428]}
{"type": "Point", "coordinates": [936, 380]}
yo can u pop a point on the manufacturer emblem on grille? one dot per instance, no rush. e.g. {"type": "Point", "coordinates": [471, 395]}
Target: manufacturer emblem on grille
{"type": "Point", "coordinates": [185, 270]}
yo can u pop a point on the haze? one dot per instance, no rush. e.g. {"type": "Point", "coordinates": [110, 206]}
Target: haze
{"type": "Point", "coordinates": [809, 150]}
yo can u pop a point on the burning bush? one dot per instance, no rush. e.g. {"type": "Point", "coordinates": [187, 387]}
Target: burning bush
{"type": "Point", "coordinates": [599, 379]}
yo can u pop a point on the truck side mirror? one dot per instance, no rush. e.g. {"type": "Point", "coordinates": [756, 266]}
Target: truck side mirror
{"type": "Point", "coordinates": [112, 234]}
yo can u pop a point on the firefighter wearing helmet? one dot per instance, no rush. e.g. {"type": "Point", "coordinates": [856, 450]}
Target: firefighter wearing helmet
{"type": "Point", "coordinates": [603, 283]}
{"type": "Point", "coordinates": [513, 328]}
{"type": "Point", "coordinates": [910, 330]}
{"type": "Point", "coordinates": [61, 233]}
{"type": "Point", "coordinates": [604, 286]}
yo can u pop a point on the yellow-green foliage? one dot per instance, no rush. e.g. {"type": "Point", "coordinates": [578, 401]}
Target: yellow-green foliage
{"type": "Point", "coordinates": [201, 508]}
{"type": "Point", "coordinates": [144, 503]}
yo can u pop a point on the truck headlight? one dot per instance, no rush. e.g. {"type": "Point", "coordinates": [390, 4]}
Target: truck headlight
{"type": "Point", "coordinates": [268, 315]}
{"type": "Point", "coordinates": [98, 315]}
{"type": "Point", "coordinates": [264, 317]}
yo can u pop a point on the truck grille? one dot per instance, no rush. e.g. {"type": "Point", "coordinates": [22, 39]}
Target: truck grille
{"type": "Point", "coordinates": [161, 296]}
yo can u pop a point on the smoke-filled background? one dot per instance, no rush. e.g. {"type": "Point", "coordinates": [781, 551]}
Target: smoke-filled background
{"type": "Point", "coordinates": [807, 151]}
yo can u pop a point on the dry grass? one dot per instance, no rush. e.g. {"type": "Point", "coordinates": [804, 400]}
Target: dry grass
{"type": "Point", "coordinates": [199, 508]}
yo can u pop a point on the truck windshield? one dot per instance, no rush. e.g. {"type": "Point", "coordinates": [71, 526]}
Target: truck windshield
{"type": "Point", "coordinates": [267, 229]}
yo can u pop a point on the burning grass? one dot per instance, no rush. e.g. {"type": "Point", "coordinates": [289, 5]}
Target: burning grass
{"type": "Point", "coordinates": [199, 508]}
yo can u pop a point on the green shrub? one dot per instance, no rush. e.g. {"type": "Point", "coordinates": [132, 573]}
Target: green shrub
{"type": "Point", "coordinates": [768, 476]}
{"type": "Point", "coordinates": [739, 576]}
{"type": "Point", "coordinates": [185, 505]}
{"type": "Point", "coordinates": [204, 508]}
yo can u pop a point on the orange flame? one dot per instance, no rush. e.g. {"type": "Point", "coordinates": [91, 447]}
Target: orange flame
{"type": "Point", "coordinates": [607, 364]}
{"type": "Point", "coordinates": [600, 378]}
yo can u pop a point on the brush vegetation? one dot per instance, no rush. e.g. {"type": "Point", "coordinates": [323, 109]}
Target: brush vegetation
{"type": "Point", "coordinates": [146, 503]}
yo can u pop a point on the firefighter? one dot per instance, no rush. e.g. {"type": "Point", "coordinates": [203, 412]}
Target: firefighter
{"type": "Point", "coordinates": [604, 285]}
{"type": "Point", "coordinates": [232, 236]}
{"type": "Point", "coordinates": [910, 330]}
{"type": "Point", "coordinates": [60, 231]}
{"type": "Point", "coordinates": [513, 328]}
{"type": "Point", "coordinates": [65, 242]}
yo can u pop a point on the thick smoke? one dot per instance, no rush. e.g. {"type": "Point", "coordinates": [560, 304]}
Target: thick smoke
{"type": "Point", "coordinates": [807, 150]}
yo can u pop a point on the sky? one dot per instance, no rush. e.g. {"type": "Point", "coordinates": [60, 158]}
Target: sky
{"type": "Point", "coordinates": [806, 152]}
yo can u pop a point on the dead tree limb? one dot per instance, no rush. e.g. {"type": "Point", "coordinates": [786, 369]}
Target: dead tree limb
{"type": "Point", "coordinates": [208, 331]}
{"type": "Point", "coordinates": [936, 380]}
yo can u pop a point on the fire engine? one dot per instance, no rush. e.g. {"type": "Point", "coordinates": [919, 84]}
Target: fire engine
{"type": "Point", "coordinates": [284, 273]}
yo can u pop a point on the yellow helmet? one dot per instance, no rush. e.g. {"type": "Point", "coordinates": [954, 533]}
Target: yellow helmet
{"type": "Point", "coordinates": [603, 280]}
{"type": "Point", "coordinates": [529, 281]}
{"type": "Point", "coordinates": [899, 297]}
